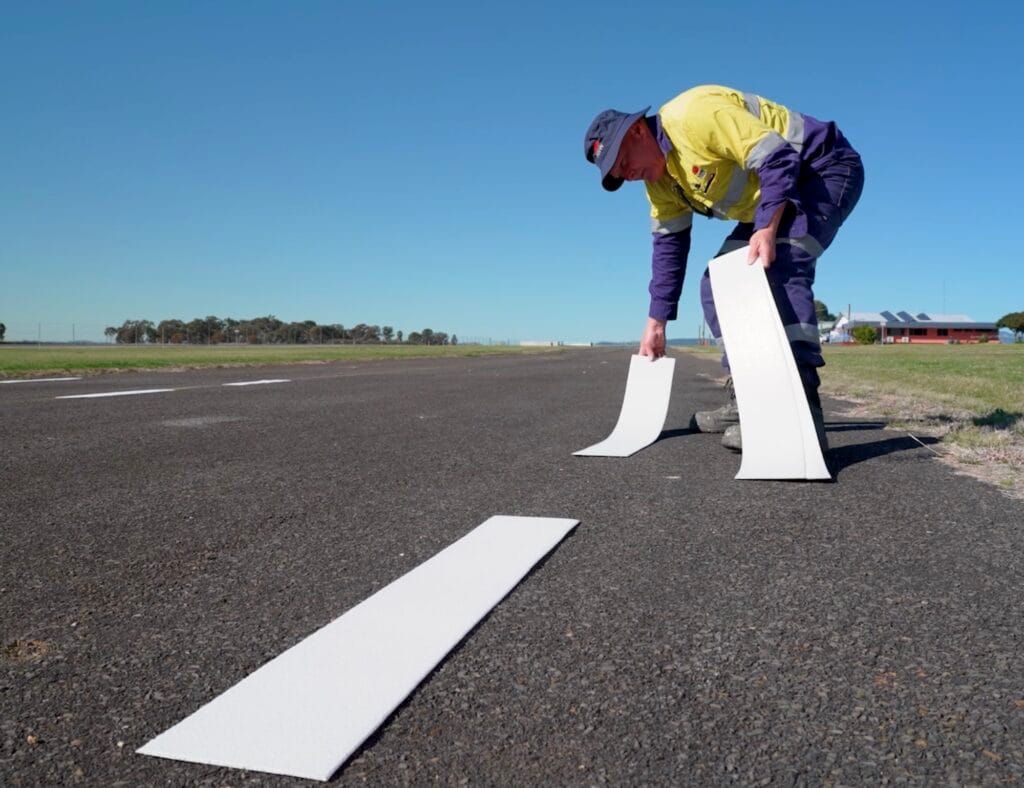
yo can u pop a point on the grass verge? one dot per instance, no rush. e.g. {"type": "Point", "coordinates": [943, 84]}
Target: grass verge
{"type": "Point", "coordinates": [971, 397]}
{"type": "Point", "coordinates": [31, 361]}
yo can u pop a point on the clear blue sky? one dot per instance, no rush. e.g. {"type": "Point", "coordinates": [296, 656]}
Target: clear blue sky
{"type": "Point", "coordinates": [421, 165]}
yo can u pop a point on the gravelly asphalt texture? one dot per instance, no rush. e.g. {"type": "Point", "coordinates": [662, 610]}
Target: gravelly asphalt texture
{"type": "Point", "coordinates": [693, 630]}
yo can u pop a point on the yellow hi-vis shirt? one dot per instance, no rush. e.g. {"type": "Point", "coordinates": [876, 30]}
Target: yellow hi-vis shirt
{"type": "Point", "coordinates": [720, 137]}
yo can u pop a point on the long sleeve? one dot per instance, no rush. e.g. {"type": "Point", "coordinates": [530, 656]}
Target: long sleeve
{"type": "Point", "coordinates": [668, 269]}
{"type": "Point", "coordinates": [778, 174]}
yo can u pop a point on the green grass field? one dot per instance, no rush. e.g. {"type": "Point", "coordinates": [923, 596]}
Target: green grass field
{"type": "Point", "coordinates": [980, 378]}
{"type": "Point", "coordinates": [969, 397]}
{"type": "Point", "coordinates": [28, 360]}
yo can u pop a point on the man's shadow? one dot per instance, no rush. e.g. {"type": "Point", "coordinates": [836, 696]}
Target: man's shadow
{"type": "Point", "coordinates": [837, 426]}
{"type": "Point", "coordinates": [841, 457]}
{"type": "Point", "coordinates": [677, 432]}
{"type": "Point", "coordinates": [845, 456]}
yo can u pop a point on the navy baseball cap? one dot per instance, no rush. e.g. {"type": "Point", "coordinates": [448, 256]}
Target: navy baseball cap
{"type": "Point", "coordinates": [605, 135]}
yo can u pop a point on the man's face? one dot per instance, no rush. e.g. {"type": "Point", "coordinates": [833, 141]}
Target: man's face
{"type": "Point", "coordinates": [640, 157]}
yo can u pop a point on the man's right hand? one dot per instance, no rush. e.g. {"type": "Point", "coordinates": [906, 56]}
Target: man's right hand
{"type": "Point", "coordinates": [652, 343]}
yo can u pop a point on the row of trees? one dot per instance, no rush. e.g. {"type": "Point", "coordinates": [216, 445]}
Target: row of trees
{"type": "Point", "coordinates": [213, 330]}
{"type": "Point", "coordinates": [822, 312]}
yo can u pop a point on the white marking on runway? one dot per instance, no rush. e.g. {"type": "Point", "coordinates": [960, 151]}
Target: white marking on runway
{"type": "Point", "coordinates": [644, 407]}
{"type": "Point", "coordinates": [779, 437]}
{"type": "Point", "coordinates": [258, 382]}
{"type": "Point", "coordinates": [200, 421]}
{"type": "Point", "coordinates": [38, 380]}
{"type": "Point", "coordinates": [307, 710]}
{"type": "Point", "coordinates": [114, 393]}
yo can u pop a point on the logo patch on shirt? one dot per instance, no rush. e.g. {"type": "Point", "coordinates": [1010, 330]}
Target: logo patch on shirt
{"type": "Point", "coordinates": [703, 179]}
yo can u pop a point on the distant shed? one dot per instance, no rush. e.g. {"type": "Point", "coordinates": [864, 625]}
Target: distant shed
{"type": "Point", "coordinates": [922, 328]}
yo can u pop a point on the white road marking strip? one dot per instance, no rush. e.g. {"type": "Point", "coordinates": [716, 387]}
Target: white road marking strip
{"type": "Point", "coordinates": [779, 440]}
{"type": "Point", "coordinates": [38, 380]}
{"type": "Point", "coordinates": [114, 394]}
{"type": "Point", "coordinates": [307, 710]}
{"type": "Point", "coordinates": [644, 407]}
{"type": "Point", "coordinates": [258, 382]}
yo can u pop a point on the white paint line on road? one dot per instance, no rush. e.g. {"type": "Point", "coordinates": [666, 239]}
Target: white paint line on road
{"type": "Point", "coordinates": [258, 382]}
{"type": "Point", "coordinates": [199, 422]}
{"type": "Point", "coordinates": [779, 440]}
{"type": "Point", "coordinates": [38, 380]}
{"type": "Point", "coordinates": [644, 407]}
{"type": "Point", "coordinates": [307, 710]}
{"type": "Point", "coordinates": [114, 394]}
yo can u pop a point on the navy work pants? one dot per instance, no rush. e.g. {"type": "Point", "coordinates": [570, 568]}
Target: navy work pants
{"type": "Point", "coordinates": [828, 191]}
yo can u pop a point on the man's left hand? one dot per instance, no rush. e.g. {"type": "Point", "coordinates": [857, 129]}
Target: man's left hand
{"type": "Point", "coordinates": [762, 247]}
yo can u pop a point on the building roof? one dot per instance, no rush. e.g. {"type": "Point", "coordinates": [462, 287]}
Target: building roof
{"type": "Point", "coordinates": [904, 319]}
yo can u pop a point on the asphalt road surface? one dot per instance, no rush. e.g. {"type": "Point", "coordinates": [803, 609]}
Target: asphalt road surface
{"type": "Point", "coordinates": [693, 630]}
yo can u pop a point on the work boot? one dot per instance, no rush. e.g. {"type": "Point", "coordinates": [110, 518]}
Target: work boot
{"type": "Point", "coordinates": [720, 419]}
{"type": "Point", "coordinates": [732, 438]}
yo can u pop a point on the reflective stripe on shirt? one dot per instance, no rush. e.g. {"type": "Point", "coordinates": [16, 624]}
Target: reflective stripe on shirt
{"type": "Point", "coordinates": [676, 225]}
{"type": "Point", "coordinates": [753, 104]}
{"type": "Point", "coordinates": [733, 194]}
{"type": "Point", "coordinates": [763, 149]}
{"type": "Point", "coordinates": [795, 130]}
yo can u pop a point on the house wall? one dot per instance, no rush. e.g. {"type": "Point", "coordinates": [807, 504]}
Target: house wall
{"type": "Point", "coordinates": [938, 336]}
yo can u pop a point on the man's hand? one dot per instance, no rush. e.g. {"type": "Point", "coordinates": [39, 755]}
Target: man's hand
{"type": "Point", "coordinates": [652, 343]}
{"type": "Point", "coordinates": [762, 247]}
{"type": "Point", "coordinates": [762, 243]}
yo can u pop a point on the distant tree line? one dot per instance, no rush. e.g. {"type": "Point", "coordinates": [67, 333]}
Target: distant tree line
{"type": "Point", "coordinates": [268, 330]}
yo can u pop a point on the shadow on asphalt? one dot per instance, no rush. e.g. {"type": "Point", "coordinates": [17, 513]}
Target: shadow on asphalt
{"type": "Point", "coordinates": [678, 432]}
{"type": "Point", "coordinates": [841, 456]}
{"type": "Point", "coordinates": [383, 727]}
{"type": "Point", "coordinates": [844, 456]}
{"type": "Point", "coordinates": [853, 426]}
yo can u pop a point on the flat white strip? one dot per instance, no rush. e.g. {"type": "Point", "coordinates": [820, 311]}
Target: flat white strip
{"type": "Point", "coordinates": [306, 711]}
{"type": "Point", "coordinates": [258, 382]}
{"type": "Point", "coordinates": [114, 394]}
{"type": "Point", "coordinates": [779, 441]}
{"type": "Point", "coordinates": [644, 407]}
{"type": "Point", "coordinates": [38, 380]}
